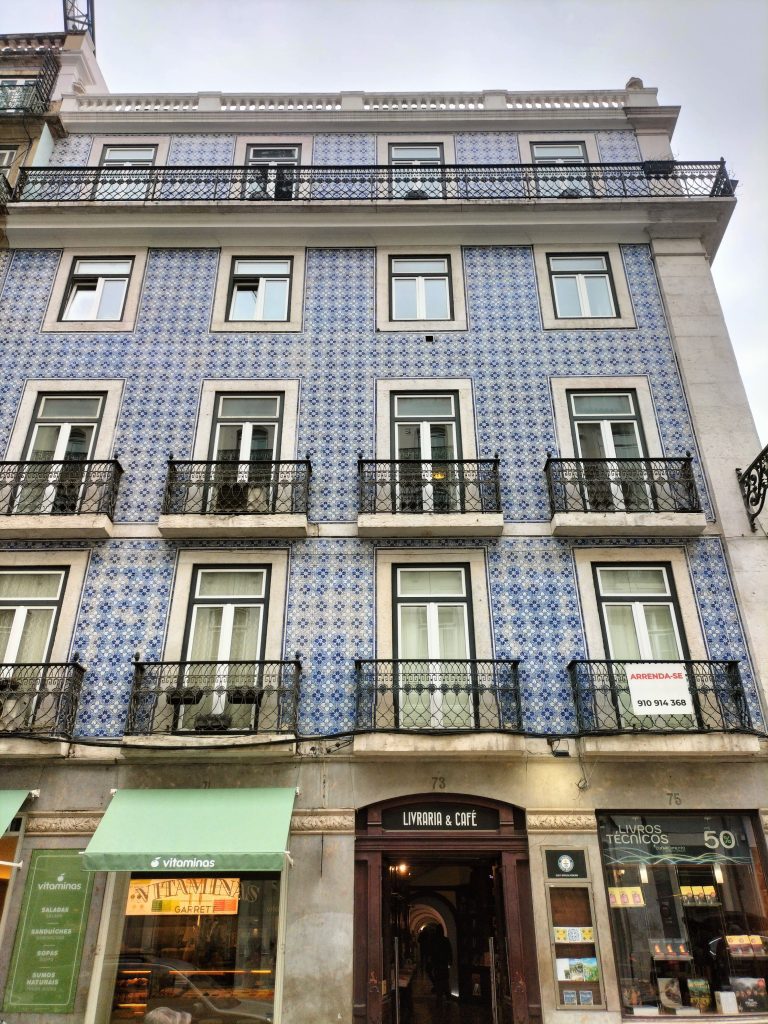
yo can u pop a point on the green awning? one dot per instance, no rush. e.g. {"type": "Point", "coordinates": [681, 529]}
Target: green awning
{"type": "Point", "coordinates": [10, 802]}
{"type": "Point", "coordinates": [192, 830]}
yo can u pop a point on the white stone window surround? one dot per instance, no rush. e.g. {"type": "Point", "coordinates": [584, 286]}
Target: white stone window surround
{"type": "Point", "coordinates": [646, 410]}
{"type": "Point", "coordinates": [478, 591]}
{"type": "Point", "coordinates": [290, 389]}
{"type": "Point", "coordinates": [101, 142]}
{"type": "Point", "coordinates": [384, 142]}
{"type": "Point", "coordinates": [526, 140]}
{"type": "Point", "coordinates": [77, 564]}
{"type": "Point", "coordinates": [306, 142]}
{"type": "Point", "coordinates": [227, 255]}
{"type": "Point", "coordinates": [190, 558]}
{"type": "Point", "coordinates": [52, 321]}
{"type": "Point", "coordinates": [33, 388]}
{"type": "Point", "coordinates": [585, 558]}
{"type": "Point", "coordinates": [384, 322]}
{"type": "Point", "coordinates": [550, 321]}
{"type": "Point", "coordinates": [387, 386]}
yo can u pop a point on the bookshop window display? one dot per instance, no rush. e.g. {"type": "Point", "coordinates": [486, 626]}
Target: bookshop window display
{"type": "Point", "coordinates": [203, 947]}
{"type": "Point", "coordinates": [689, 913]}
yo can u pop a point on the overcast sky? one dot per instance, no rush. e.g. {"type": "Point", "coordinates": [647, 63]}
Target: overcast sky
{"type": "Point", "coordinates": [709, 56]}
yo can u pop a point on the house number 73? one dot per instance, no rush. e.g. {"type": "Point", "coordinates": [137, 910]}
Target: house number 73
{"type": "Point", "coordinates": [438, 782]}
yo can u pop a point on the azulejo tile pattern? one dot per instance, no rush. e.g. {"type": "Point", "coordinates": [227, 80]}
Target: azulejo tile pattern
{"type": "Point", "coordinates": [618, 147]}
{"type": "Point", "coordinates": [71, 151]}
{"type": "Point", "coordinates": [207, 150]}
{"type": "Point", "coordinates": [487, 148]}
{"type": "Point", "coordinates": [344, 149]}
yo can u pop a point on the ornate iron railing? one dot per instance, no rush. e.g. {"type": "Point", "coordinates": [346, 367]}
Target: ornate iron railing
{"type": "Point", "coordinates": [621, 485]}
{"type": "Point", "coordinates": [5, 193]}
{"type": "Point", "coordinates": [437, 696]}
{"type": "Point", "coordinates": [230, 488]}
{"type": "Point", "coordinates": [754, 486]}
{"type": "Point", "coordinates": [441, 486]}
{"type": "Point", "coordinates": [72, 487]}
{"type": "Point", "coordinates": [651, 179]}
{"type": "Point", "coordinates": [712, 699]}
{"type": "Point", "coordinates": [40, 700]}
{"type": "Point", "coordinates": [32, 97]}
{"type": "Point", "coordinates": [213, 697]}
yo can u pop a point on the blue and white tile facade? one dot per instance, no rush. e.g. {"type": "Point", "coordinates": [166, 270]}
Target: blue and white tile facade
{"type": "Point", "coordinates": [338, 357]}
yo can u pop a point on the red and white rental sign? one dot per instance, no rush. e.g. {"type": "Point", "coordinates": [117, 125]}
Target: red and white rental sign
{"type": "Point", "coordinates": [657, 688]}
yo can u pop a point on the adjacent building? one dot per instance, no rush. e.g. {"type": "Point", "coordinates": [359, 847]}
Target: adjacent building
{"type": "Point", "coordinates": [373, 561]}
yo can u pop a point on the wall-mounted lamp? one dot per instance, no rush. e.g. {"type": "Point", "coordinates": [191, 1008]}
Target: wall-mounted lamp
{"type": "Point", "coordinates": [558, 747]}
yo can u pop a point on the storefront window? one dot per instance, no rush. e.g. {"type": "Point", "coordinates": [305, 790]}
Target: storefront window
{"type": "Point", "coordinates": [689, 912]}
{"type": "Point", "coordinates": [8, 845]}
{"type": "Point", "coordinates": [205, 946]}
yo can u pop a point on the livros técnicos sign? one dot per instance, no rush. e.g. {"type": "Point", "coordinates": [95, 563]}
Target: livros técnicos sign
{"type": "Point", "coordinates": [440, 817]}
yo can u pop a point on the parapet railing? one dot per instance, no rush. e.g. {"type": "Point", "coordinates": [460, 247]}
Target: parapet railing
{"type": "Point", "coordinates": [443, 486]}
{"type": "Point", "coordinates": [71, 487]}
{"type": "Point", "coordinates": [231, 488]}
{"type": "Point", "coordinates": [40, 699]}
{"type": "Point", "coordinates": [621, 485]}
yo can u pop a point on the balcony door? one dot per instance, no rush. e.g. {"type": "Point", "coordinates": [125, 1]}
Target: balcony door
{"type": "Point", "coordinates": [225, 643]}
{"type": "Point", "coordinates": [62, 438]}
{"type": "Point", "coordinates": [606, 427]}
{"type": "Point", "coordinates": [410, 183]}
{"type": "Point", "coordinates": [245, 446]}
{"type": "Point", "coordinates": [434, 647]}
{"type": "Point", "coordinates": [113, 183]}
{"type": "Point", "coordinates": [553, 182]}
{"type": "Point", "coordinates": [272, 173]}
{"type": "Point", "coordinates": [426, 433]}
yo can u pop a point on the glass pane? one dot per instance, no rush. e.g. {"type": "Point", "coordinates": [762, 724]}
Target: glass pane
{"type": "Point", "coordinates": [431, 582]}
{"type": "Point", "coordinates": [231, 583]}
{"type": "Point", "coordinates": [622, 635]}
{"type": "Point", "coordinates": [602, 405]}
{"type": "Point", "coordinates": [403, 298]}
{"type": "Point", "coordinates": [413, 641]}
{"type": "Point", "coordinates": [408, 441]}
{"type": "Point", "coordinates": [246, 634]}
{"type": "Point", "coordinates": [599, 295]}
{"type": "Point", "coordinates": [625, 441]}
{"type": "Point", "coordinates": [206, 634]}
{"type": "Point", "coordinates": [244, 301]}
{"type": "Point", "coordinates": [590, 441]}
{"type": "Point", "coordinates": [120, 155]}
{"type": "Point", "coordinates": [257, 268]}
{"type": "Point", "coordinates": [82, 303]}
{"type": "Point", "coordinates": [451, 624]}
{"type": "Point", "coordinates": [275, 299]}
{"type": "Point", "coordinates": [436, 301]}
{"type": "Point", "coordinates": [229, 441]}
{"type": "Point", "coordinates": [34, 636]}
{"type": "Point", "coordinates": [44, 444]}
{"type": "Point", "coordinates": [419, 266]}
{"type": "Point", "coordinates": [79, 443]}
{"type": "Point", "coordinates": [30, 585]}
{"type": "Point", "coordinates": [441, 437]}
{"type": "Point", "coordinates": [661, 631]}
{"type": "Point", "coordinates": [421, 153]}
{"type": "Point", "coordinates": [96, 268]}
{"type": "Point", "coordinates": [558, 151]}
{"type": "Point", "coordinates": [249, 406]}
{"type": "Point", "coordinates": [112, 296]}
{"type": "Point", "coordinates": [424, 405]}
{"type": "Point", "coordinates": [633, 581]}
{"type": "Point", "coordinates": [6, 622]}
{"type": "Point", "coordinates": [269, 154]}
{"type": "Point", "coordinates": [567, 296]}
{"type": "Point", "coordinates": [580, 264]}
{"type": "Point", "coordinates": [70, 408]}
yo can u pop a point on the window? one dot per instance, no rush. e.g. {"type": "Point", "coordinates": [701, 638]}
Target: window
{"type": "Point", "coordinates": [128, 156]}
{"type": "Point", "coordinates": [420, 288]}
{"type": "Point", "coordinates": [425, 432]}
{"type": "Point", "coordinates": [7, 155]}
{"type": "Point", "coordinates": [638, 613]}
{"type": "Point", "coordinates": [582, 286]}
{"type": "Point", "coordinates": [558, 153]}
{"type": "Point", "coordinates": [410, 183]}
{"type": "Point", "coordinates": [272, 175]}
{"type": "Point", "coordinates": [245, 445]}
{"type": "Point", "coordinates": [260, 289]}
{"type": "Point", "coordinates": [97, 289]}
{"type": "Point", "coordinates": [29, 607]}
{"type": "Point", "coordinates": [9, 847]}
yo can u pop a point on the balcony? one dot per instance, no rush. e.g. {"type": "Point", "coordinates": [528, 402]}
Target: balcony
{"type": "Point", "coordinates": [211, 698]}
{"type": "Point", "coordinates": [754, 487]}
{"type": "Point", "coordinates": [73, 498]}
{"type": "Point", "coordinates": [686, 696]}
{"type": "Point", "coordinates": [32, 95]}
{"type": "Point", "coordinates": [437, 696]}
{"type": "Point", "coordinates": [616, 497]}
{"type": "Point", "coordinates": [647, 180]}
{"type": "Point", "coordinates": [441, 498]}
{"type": "Point", "coordinates": [39, 700]}
{"type": "Point", "coordinates": [228, 498]}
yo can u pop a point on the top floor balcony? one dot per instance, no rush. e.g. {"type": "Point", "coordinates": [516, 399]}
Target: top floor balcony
{"type": "Point", "coordinates": [28, 76]}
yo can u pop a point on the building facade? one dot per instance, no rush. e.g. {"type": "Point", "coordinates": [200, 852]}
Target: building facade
{"type": "Point", "coordinates": [373, 564]}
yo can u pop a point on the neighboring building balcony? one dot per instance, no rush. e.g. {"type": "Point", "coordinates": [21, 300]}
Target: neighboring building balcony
{"type": "Point", "coordinates": [74, 498]}
{"type": "Point", "coordinates": [407, 695]}
{"type": "Point", "coordinates": [40, 700]}
{"type": "Point", "coordinates": [753, 482]}
{"type": "Point", "coordinates": [211, 698]}
{"type": "Point", "coordinates": [236, 499]}
{"type": "Point", "coordinates": [614, 497]}
{"type": "Point", "coordinates": [441, 498]}
{"type": "Point", "coordinates": [646, 180]}
{"type": "Point", "coordinates": [659, 697]}
{"type": "Point", "coordinates": [29, 80]}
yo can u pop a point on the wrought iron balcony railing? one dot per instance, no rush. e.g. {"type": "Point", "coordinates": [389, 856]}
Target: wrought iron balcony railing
{"type": "Point", "coordinates": [440, 486]}
{"type": "Point", "coordinates": [651, 179]}
{"type": "Point", "coordinates": [32, 96]}
{"type": "Point", "coordinates": [437, 696]}
{"type": "Point", "coordinates": [40, 700]}
{"type": "Point", "coordinates": [171, 698]}
{"type": "Point", "coordinates": [621, 485]}
{"type": "Point", "coordinates": [231, 488]}
{"type": "Point", "coordinates": [754, 486]}
{"type": "Point", "coordinates": [710, 699]}
{"type": "Point", "coordinates": [72, 487]}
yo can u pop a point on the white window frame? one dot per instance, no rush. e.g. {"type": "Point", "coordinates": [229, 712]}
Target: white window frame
{"type": "Point", "coordinates": [8, 156]}
{"type": "Point", "coordinates": [637, 604]}
{"type": "Point", "coordinates": [580, 277]}
{"type": "Point", "coordinates": [261, 290]}
{"type": "Point", "coordinates": [621, 297]}
{"type": "Point", "coordinates": [221, 297]}
{"type": "Point", "coordinates": [526, 141]}
{"type": "Point", "coordinates": [645, 411]}
{"type": "Point", "coordinates": [21, 610]}
{"type": "Point", "coordinates": [421, 289]}
{"type": "Point", "coordinates": [61, 283]}
{"type": "Point", "coordinates": [384, 321]}
{"type": "Point", "coordinates": [288, 387]}
{"type": "Point", "coordinates": [77, 281]}
{"type": "Point", "coordinates": [465, 411]}
{"type": "Point", "coordinates": [384, 142]}
{"type": "Point", "coordinates": [102, 142]}
{"type": "Point", "coordinates": [243, 142]}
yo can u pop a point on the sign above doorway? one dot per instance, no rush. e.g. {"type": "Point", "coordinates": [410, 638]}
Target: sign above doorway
{"type": "Point", "coordinates": [440, 817]}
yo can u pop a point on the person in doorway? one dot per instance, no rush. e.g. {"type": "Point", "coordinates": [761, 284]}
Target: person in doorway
{"type": "Point", "coordinates": [442, 958]}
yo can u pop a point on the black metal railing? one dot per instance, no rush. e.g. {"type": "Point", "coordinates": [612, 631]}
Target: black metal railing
{"type": "Point", "coordinates": [32, 97]}
{"type": "Point", "coordinates": [71, 487]}
{"type": "Point", "coordinates": [231, 488]}
{"type": "Point", "coordinates": [441, 486]}
{"type": "Point", "coordinates": [40, 700]}
{"type": "Point", "coordinates": [651, 179]}
{"type": "Point", "coordinates": [437, 696]}
{"type": "Point", "coordinates": [706, 696]}
{"type": "Point", "coordinates": [754, 486]}
{"type": "Point", "coordinates": [213, 697]}
{"type": "Point", "coordinates": [5, 193]}
{"type": "Point", "coordinates": [621, 485]}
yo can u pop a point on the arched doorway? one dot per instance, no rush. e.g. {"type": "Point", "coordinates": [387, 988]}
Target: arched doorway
{"type": "Point", "coordinates": [443, 878]}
